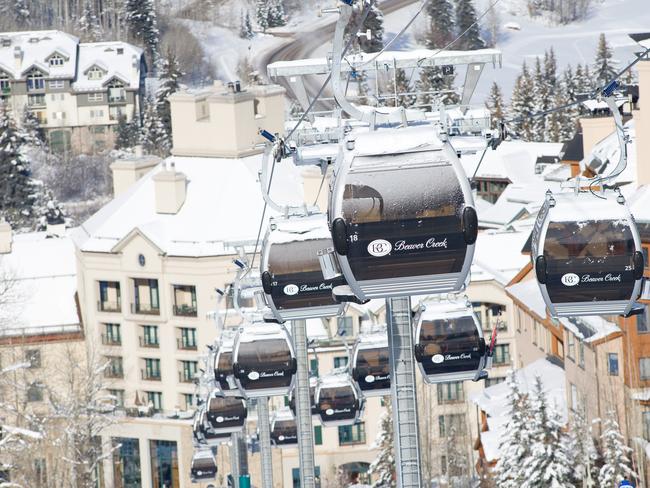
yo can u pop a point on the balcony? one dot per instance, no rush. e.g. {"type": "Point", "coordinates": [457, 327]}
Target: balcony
{"type": "Point", "coordinates": [109, 306]}
{"type": "Point", "coordinates": [114, 373]}
{"type": "Point", "coordinates": [184, 345]}
{"type": "Point", "coordinates": [149, 342]}
{"type": "Point", "coordinates": [109, 340]}
{"type": "Point", "coordinates": [144, 309]}
{"type": "Point", "coordinates": [185, 310]}
{"type": "Point", "coordinates": [117, 99]}
{"type": "Point", "coordinates": [150, 375]}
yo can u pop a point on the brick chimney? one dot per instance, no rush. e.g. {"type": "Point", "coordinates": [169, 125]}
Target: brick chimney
{"type": "Point", "coordinates": [170, 189]}
{"type": "Point", "coordinates": [642, 125]}
{"type": "Point", "coordinates": [6, 236]}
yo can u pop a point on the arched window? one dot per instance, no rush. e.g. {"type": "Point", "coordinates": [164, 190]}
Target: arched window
{"type": "Point", "coordinates": [35, 80]}
{"type": "Point", "coordinates": [95, 73]}
{"type": "Point", "coordinates": [116, 91]}
{"type": "Point", "coordinates": [56, 60]}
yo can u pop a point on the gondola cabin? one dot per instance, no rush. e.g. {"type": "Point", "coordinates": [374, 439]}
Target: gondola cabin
{"type": "Point", "coordinates": [292, 277]}
{"type": "Point", "coordinates": [337, 400]}
{"type": "Point", "coordinates": [402, 215]}
{"type": "Point", "coordinates": [284, 430]}
{"type": "Point", "coordinates": [371, 364]}
{"type": "Point", "coordinates": [313, 382]}
{"type": "Point", "coordinates": [226, 414]}
{"type": "Point", "coordinates": [449, 343]}
{"type": "Point", "coordinates": [264, 360]}
{"type": "Point", "coordinates": [223, 373]}
{"type": "Point", "coordinates": [587, 254]}
{"type": "Point", "coordinates": [204, 466]}
{"type": "Point", "coordinates": [202, 433]}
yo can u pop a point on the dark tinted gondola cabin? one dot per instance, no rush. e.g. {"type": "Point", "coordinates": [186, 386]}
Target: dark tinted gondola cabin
{"type": "Point", "coordinates": [292, 278]}
{"type": "Point", "coordinates": [204, 466]}
{"type": "Point", "coordinates": [587, 255]}
{"type": "Point", "coordinates": [371, 365]}
{"type": "Point", "coordinates": [313, 382]}
{"type": "Point", "coordinates": [284, 430]}
{"type": "Point", "coordinates": [449, 344]}
{"type": "Point", "coordinates": [203, 435]}
{"type": "Point", "coordinates": [337, 400]}
{"type": "Point", "coordinates": [264, 361]}
{"type": "Point", "coordinates": [223, 373]}
{"type": "Point", "coordinates": [401, 215]}
{"type": "Point", "coordinates": [226, 414]}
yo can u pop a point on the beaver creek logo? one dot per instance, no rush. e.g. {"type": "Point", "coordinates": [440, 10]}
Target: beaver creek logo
{"type": "Point", "coordinates": [380, 248]}
{"type": "Point", "coordinates": [290, 290]}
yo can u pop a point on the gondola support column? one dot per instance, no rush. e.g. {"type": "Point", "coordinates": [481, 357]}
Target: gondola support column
{"type": "Point", "coordinates": [303, 406]}
{"type": "Point", "coordinates": [235, 458]}
{"type": "Point", "coordinates": [265, 441]}
{"type": "Point", "coordinates": [403, 392]}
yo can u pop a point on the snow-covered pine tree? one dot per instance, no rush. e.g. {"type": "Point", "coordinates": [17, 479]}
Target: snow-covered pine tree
{"type": "Point", "coordinates": [153, 136]}
{"type": "Point", "coordinates": [495, 104]}
{"type": "Point", "coordinates": [440, 28]}
{"type": "Point", "coordinates": [18, 191]}
{"type": "Point", "coordinates": [616, 454]}
{"type": "Point", "coordinates": [34, 133]}
{"type": "Point", "coordinates": [514, 448]}
{"type": "Point", "coordinates": [384, 464]}
{"type": "Point", "coordinates": [549, 463]}
{"type": "Point", "coordinates": [581, 444]}
{"type": "Point", "coordinates": [169, 76]}
{"type": "Point", "coordinates": [88, 26]}
{"type": "Point", "coordinates": [277, 17]}
{"type": "Point", "coordinates": [604, 65]}
{"type": "Point", "coordinates": [18, 10]}
{"type": "Point", "coordinates": [493, 27]}
{"type": "Point", "coordinates": [522, 104]}
{"type": "Point", "coordinates": [560, 125]}
{"type": "Point", "coordinates": [584, 80]}
{"type": "Point", "coordinates": [262, 14]}
{"type": "Point", "coordinates": [399, 84]}
{"type": "Point", "coordinates": [142, 22]}
{"type": "Point", "coordinates": [550, 67]}
{"type": "Point", "coordinates": [246, 28]}
{"type": "Point", "coordinates": [50, 212]}
{"type": "Point", "coordinates": [465, 21]}
{"type": "Point", "coordinates": [440, 87]}
{"type": "Point", "coordinates": [127, 133]}
{"type": "Point", "coordinates": [374, 22]}
{"type": "Point", "coordinates": [542, 91]}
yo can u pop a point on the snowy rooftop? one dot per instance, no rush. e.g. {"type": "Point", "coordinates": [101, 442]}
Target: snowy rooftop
{"type": "Point", "coordinates": [498, 256]}
{"type": "Point", "coordinates": [590, 328]}
{"type": "Point", "coordinates": [528, 293]}
{"type": "Point", "coordinates": [117, 60]}
{"type": "Point", "coordinates": [42, 296]}
{"type": "Point", "coordinates": [494, 400]}
{"type": "Point", "coordinates": [222, 209]}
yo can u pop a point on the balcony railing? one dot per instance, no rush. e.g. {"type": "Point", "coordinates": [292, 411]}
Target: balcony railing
{"type": "Point", "coordinates": [150, 375]}
{"type": "Point", "coordinates": [184, 345]}
{"type": "Point", "coordinates": [185, 310]}
{"type": "Point", "coordinates": [109, 340]}
{"type": "Point", "coordinates": [119, 99]}
{"type": "Point", "coordinates": [144, 309]}
{"type": "Point", "coordinates": [184, 378]}
{"type": "Point", "coordinates": [114, 373]}
{"type": "Point", "coordinates": [148, 342]}
{"type": "Point", "coordinates": [109, 306]}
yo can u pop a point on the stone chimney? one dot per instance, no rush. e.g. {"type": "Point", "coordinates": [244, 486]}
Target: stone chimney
{"type": "Point", "coordinates": [18, 58]}
{"type": "Point", "coordinates": [6, 237]}
{"type": "Point", "coordinates": [170, 189]}
{"type": "Point", "coordinates": [130, 169]}
{"type": "Point", "coordinates": [642, 125]}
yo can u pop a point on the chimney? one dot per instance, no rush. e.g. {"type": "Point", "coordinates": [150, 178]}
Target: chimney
{"type": "Point", "coordinates": [237, 86]}
{"type": "Point", "coordinates": [6, 237]}
{"type": "Point", "coordinates": [18, 58]}
{"type": "Point", "coordinates": [594, 130]}
{"type": "Point", "coordinates": [170, 190]}
{"type": "Point", "coordinates": [130, 169]}
{"type": "Point", "coordinates": [642, 125]}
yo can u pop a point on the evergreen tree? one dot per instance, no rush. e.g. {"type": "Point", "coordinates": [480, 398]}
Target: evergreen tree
{"type": "Point", "coordinates": [262, 14]}
{"type": "Point", "coordinates": [19, 193]}
{"type": "Point", "coordinates": [495, 104]}
{"type": "Point", "coordinates": [374, 22]}
{"type": "Point", "coordinates": [246, 28]}
{"type": "Point", "coordinates": [440, 30]}
{"type": "Point", "coordinates": [541, 102]}
{"type": "Point", "coordinates": [170, 75]}
{"type": "Point", "coordinates": [584, 80]}
{"type": "Point", "coordinates": [88, 24]}
{"type": "Point", "coordinates": [399, 85]}
{"type": "Point", "coordinates": [440, 86]}
{"type": "Point", "coordinates": [515, 443]}
{"type": "Point", "coordinates": [604, 65]}
{"type": "Point", "coordinates": [34, 133]}
{"type": "Point", "coordinates": [127, 133]}
{"type": "Point", "coordinates": [142, 22]}
{"type": "Point", "coordinates": [465, 21]}
{"type": "Point", "coordinates": [384, 464]}
{"type": "Point", "coordinates": [522, 104]}
{"type": "Point", "coordinates": [18, 10]}
{"type": "Point", "coordinates": [51, 212]}
{"type": "Point", "coordinates": [276, 15]}
{"type": "Point", "coordinates": [581, 444]}
{"type": "Point", "coordinates": [153, 136]}
{"type": "Point", "coordinates": [616, 455]}
{"type": "Point", "coordinates": [363, 89]}
{"type": "Point", "coordinates": [550, 68]}
{"type": "Point", "coordinates": [549, 464]}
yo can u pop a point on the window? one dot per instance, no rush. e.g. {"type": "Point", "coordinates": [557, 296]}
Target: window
{"type": "Point", "coordinates": [95, 73]}
{"type": "Point", "coordinates": [56, 60]}
{"type": "Point", "coordinates": [126, 463]}
{"type": "Point", "coordinates": [494, 381]}
{"type": "Point", "coordinates": [642, 322]}
{"type": "Point", "coordinates": [502, 354]}
{"type": "Point", "coordinates": [188, 400]}
{"type": "Point", "coordinates": [96, 114]}
{"type": "Point", "coordinates": [352, 434]}
{"type": "Point", "coordinates": [95, 97]}
{"type": "Point", "coordinates": [185, 301]}
{"type": "Point", "coordinates": [340, 361]}
{"type": "Point", "coordinates": [149, 336]}
{"type": "Point", "coordinates": [151, 369]}
{"type": "Point", "coordinates": [58, 115]}
{"type": "Point", "coordinates": [112, 335]}
{"type": "Point", "coordinates": [644, 368]}
{"type": "Point", "coordinates": [60, 141]}
{"type": "Point", "coordinates": [35, 392]}
{"type": "Point", "coordinates": [295, 476]}
{"type": "Point", "coordinates": [490, 190]}
{"type": "Point", "coordinates": [574, 398]}
{"type": "Point", "coordinates": [116, 92]}
{"type": "Point", "coordinates": [344, 326]}
{"type": "Point", "coordinates": [33, 357]}
{"type": "Point", "coordinates": [118, 397]}
{"type": "Point", "coordinates": [581, 354]}
{"type": "Point", "coordinates": [155, 399]}
{"type": "Point", "coordinates": [646, 425]}
{"type": "Point", "coordinates": [114, 367]}
{"type": "Point", "coordinates": [188, 371]}
{"type": "Point", "coordinates": [612, 364]}
{"type": "Point", "coordinates": [36, 100]}
{"type": "Point", "coordinates": [313, 367]}
{"type": "Point", "coordinates": [451, 425]}
{"type": "Point", "coordinates": [35, 81]}
{"type": "Point", "coordinates": [145, 297]}
{"type": "Point", "coordinates": [5, 84]}
{"type": "Point", "coordinates": [187, 339]}
{"type": "Point", "coordinates": [645, 257]}
{"type": "Point", "coordinates": [164, 464]}
{"type": "Point", "coordinates": [109, 297]}
{"type": "Point", "coordinates": [97, 129]}
{"type": "Point", "coordinates": [451, 392]}
{"type": "Point", "coordinates": [318, 435]}
{"type": "Point", "coordinates": [56, 84]}
{"type": "Point", "coordinates": [57, 96]}
{"type": "Point", "coordinates": [571, 346]}
{"type": "Point", "coordinates": [114, 113]}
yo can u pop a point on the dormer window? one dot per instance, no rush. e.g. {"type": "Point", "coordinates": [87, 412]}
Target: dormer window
{"type": "Point", "coordinates": [95, 73]}
{"type": "Point", "coordinates": [56, 60]}
{"type": "Point", "coordinates": [116, 92]}
{"type": "Point", "coordinates": [35, 81]}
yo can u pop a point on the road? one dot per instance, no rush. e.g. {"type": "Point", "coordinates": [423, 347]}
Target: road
{"type": "Point", "coordinates": [302, 45]}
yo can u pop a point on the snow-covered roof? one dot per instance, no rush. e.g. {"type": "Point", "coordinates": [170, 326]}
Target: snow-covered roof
{"type": "Point", "coordinates": [639, 204]}
{"type": "Point", "coordinates": [42, 273]}
{"type": "Point", "coordinates": [494, 400]}
{"type": "Point", "coordinates": [528, 293]}
{"type": "Point", "coordinates": [590, 328]}
{"type": "Point", "coordinates": [498, 256]}
{"type": "Point", "coordinates": [118, 60]}
{"type": "Point", "coordinates": [222, 209]}
{"type": "Point", "coordinates": [34, 48]}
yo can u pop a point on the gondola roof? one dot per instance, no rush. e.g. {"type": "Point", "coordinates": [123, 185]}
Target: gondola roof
{"type": "Point", "coordinates": [586, 207]}
{"type": "Point", "coordinates": [302, 228]}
